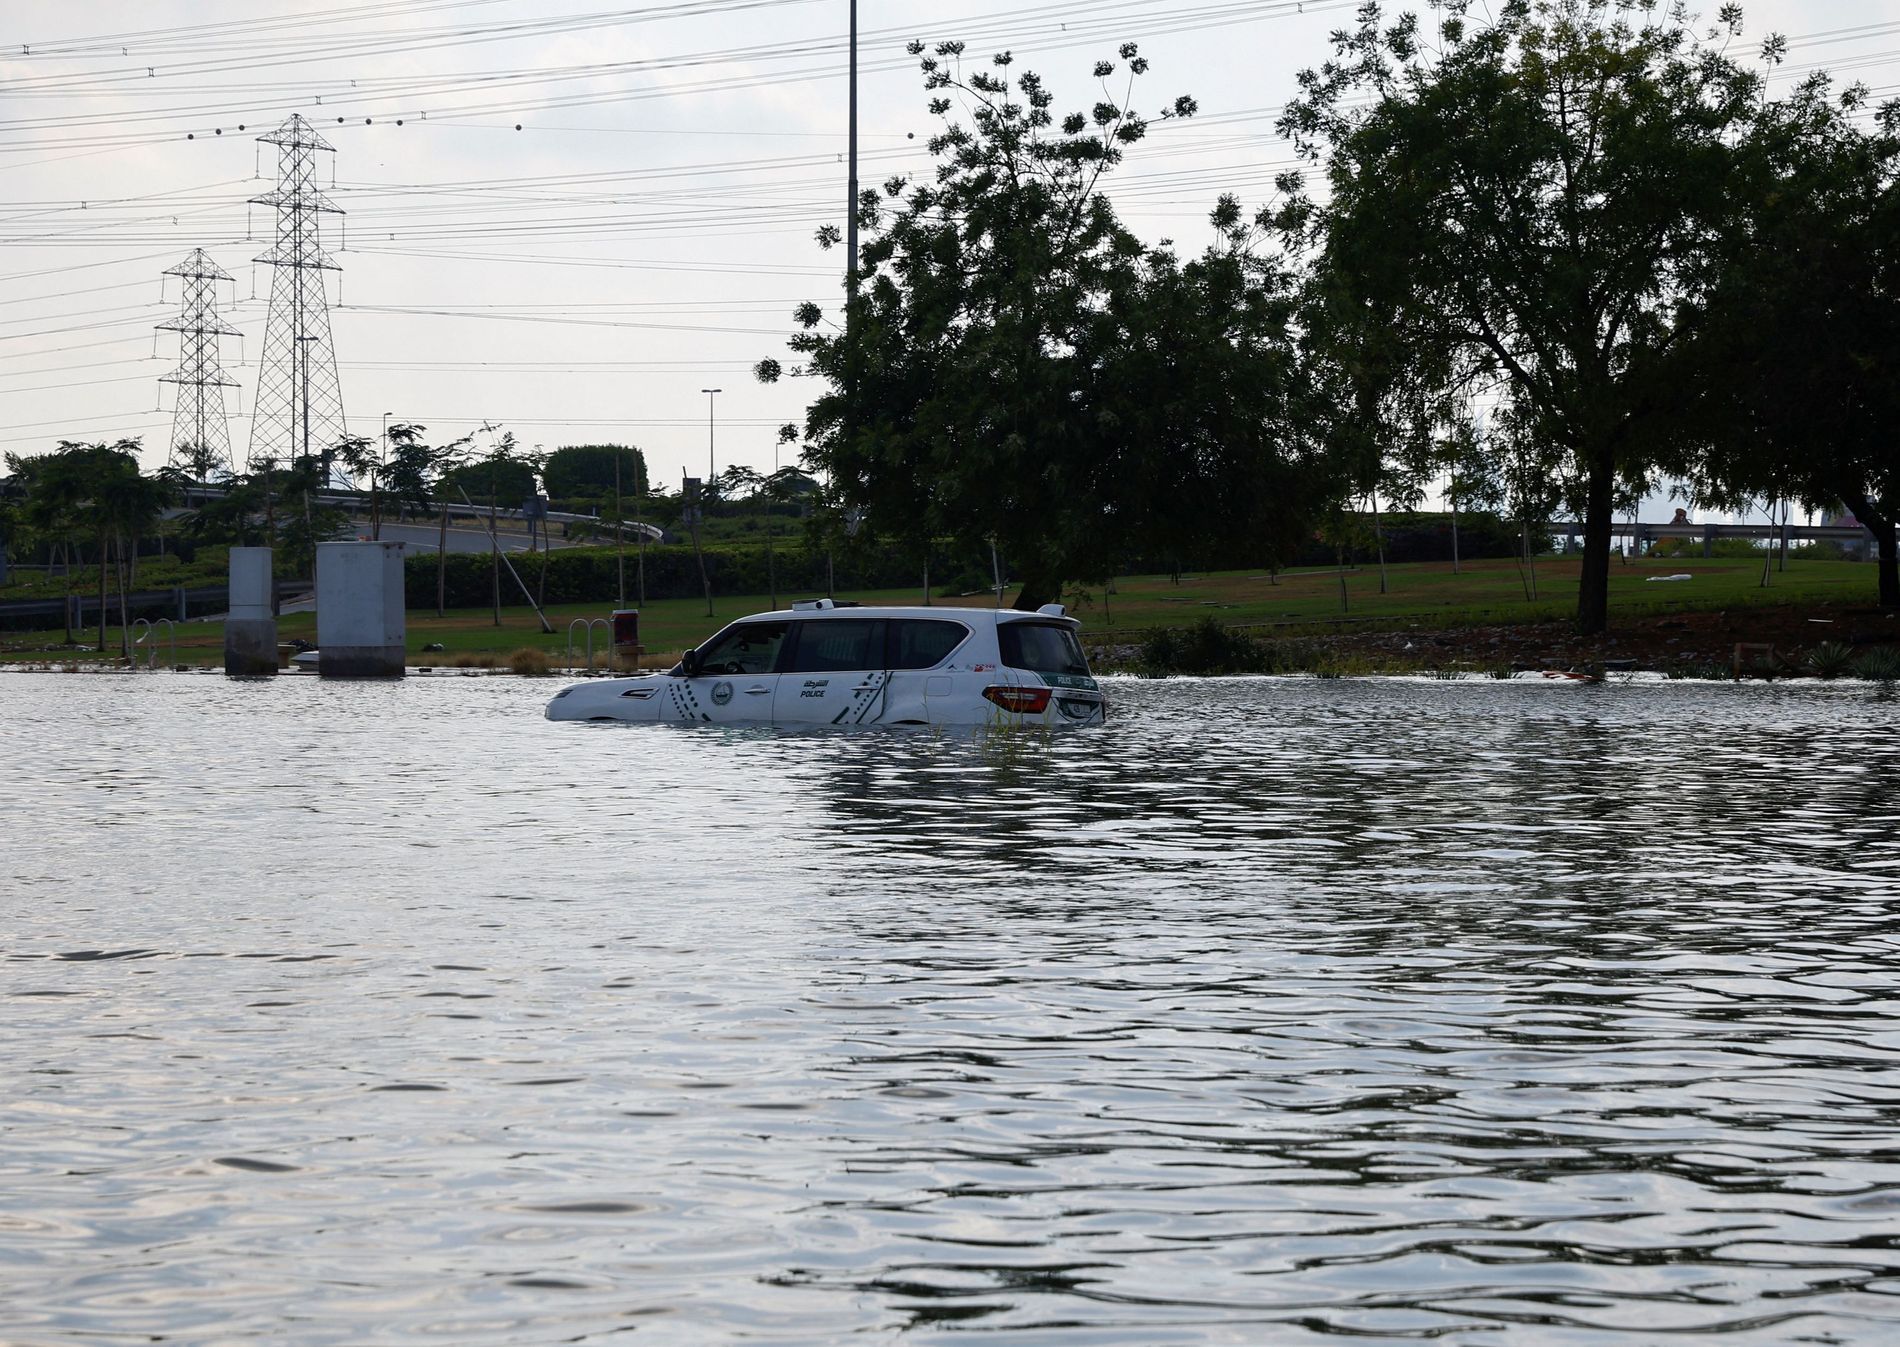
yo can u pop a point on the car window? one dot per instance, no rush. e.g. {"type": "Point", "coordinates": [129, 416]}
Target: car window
{"type": "Point", "coordinates": [838, 644]}
{"type": "Point", "coordinates": [922, 643]}
{"type": "Point", "coordinates": [1041, 647]}
{"type": "Point", "coordinates": [749, 648]}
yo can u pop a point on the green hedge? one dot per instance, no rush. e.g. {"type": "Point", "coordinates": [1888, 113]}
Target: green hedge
{"type": "Point", "coordinates": [588, 574]}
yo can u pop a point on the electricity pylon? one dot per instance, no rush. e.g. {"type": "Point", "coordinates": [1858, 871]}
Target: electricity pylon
{"type": "Point", "coordinates": [201, 440]}
{"type": "Point", "coordinates": [298, 409]}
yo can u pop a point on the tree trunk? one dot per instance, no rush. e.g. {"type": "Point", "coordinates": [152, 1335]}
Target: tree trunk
{"type": "Point", "coordinates": [700, 557]}
{"type": "Point", "coordinates": [123, 576]}
{"type": "Point", "coordinates": [442, 564]}
{"type": "Point", "coordinates": [1889, 563]}
{"type": "Point", "coordinates": [1453, 498]}
{"type": "Point", "coordinates": [66, 574]}
{"type": "Point", "coordinates": [1038, 589]}
{"type": "Point", "coordinates": [1599, 517]}
{"type": "Point", "coordinates": [102, 593]}
{"type": "Point", "coordinates": [1885, 529]}
{"type": "Point", "coordinates": [1378, 537]}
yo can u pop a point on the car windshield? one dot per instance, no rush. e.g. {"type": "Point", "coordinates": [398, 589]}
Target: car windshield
{"type": "Point", "coordinates": [750, 648]}
{"type": "Point", "coordinates": [1041, 647]}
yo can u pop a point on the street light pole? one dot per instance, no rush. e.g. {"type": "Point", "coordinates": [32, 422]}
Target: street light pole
{"type": "Point", "coordinates": [851, 175]}
{"type": "Point", "coordinates": [711, 472]}
{"type": "Point", "coordinates": [376, 485]}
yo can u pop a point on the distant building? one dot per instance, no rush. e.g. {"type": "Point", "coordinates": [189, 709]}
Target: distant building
{"type": "Point", "coordinates": [1844, 518]}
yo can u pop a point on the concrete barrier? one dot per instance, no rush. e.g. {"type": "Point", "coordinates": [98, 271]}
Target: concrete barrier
{"type": "Point", "coordinates": [250, 632]}
{"type": "Point", "coordinates": [361, 625]}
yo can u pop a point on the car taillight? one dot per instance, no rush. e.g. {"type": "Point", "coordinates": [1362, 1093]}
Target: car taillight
{"type": "Point", "coordinates": [1023, 701]}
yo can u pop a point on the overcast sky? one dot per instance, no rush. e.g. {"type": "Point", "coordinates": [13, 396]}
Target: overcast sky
{"type": "Point", "coordinates": [643, 235]}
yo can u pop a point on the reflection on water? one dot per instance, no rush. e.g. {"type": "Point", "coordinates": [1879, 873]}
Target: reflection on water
{"type": "Point", "coordinates": [1275, 1012]}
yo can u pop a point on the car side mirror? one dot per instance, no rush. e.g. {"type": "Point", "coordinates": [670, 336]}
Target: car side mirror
{"type": "Point", "coordinates": [689, 663]}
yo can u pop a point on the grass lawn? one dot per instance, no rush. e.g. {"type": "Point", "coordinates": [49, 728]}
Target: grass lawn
{"type": "Point", "coordinates": [1424, 594]}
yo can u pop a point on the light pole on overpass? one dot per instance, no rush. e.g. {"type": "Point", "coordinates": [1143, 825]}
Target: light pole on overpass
{"type": "Point", "coordinates": [711, 472]}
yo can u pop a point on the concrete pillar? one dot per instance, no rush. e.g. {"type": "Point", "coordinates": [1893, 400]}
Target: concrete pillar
{"type": "Point", "coordinates": [250, 632]}
{"type": "Point", "coordinates": [361, 621]}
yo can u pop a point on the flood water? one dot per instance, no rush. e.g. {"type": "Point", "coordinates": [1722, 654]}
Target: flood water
{"type": "Point", "coordinates": [1276, 1012]}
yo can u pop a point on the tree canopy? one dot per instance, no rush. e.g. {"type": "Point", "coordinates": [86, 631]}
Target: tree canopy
{"type": "Point", "coordinates": [1528, 213]}
{"type": "Point", "coordinates": [506, 472]}
{"type": "Point", "coordinates": [586, 471]}
{"type": "Point", "coordinates": [95, 490]}
{"type": "Point", "coordinates": [1016, 365]}
{"type": "Point", "coordinates": [1797, 352]}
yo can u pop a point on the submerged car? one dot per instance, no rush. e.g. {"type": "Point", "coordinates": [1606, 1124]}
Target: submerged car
{"type": "Point", "coordinates": [827, 663]}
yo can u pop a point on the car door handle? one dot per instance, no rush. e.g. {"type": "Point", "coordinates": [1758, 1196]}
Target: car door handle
{"type": "Point", "coordinates": [756, 692]}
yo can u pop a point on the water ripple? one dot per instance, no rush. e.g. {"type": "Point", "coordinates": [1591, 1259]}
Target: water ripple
{"type": "Point", "coordinates": [1277, 1011]}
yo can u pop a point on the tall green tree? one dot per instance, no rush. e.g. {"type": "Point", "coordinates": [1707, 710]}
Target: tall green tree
{"type": "Point", "coordinates": [1198, 409]}
{"type": "Point", "coordinates": [1528, 209]}
{"type": "Point", "coordinates": [1798, 351]}
{"type": "Point", "coordinates": [11, 497]}
{"type": "Point", "coordinates": [301, 488]}
{"type": "Point", "coordinates": [97, 491]}
{"type": "Point", "coordinates": [45, 514]}
{"type": "Point", "coordinates": [507, 472]}
{"type": "Point", "coordinates": [586, 471]}
{"type": "Point", "coordinates": [403, 466]}
{"type": "Point", "coordinates": [1017, 366]}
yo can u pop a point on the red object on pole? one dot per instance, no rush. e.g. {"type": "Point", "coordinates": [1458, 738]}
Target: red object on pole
{"type": "Point", "coordinates": [626, 625]}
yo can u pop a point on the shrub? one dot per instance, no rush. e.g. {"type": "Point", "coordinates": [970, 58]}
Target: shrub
{"type": "Point", "coordinates": [591, 574]}
{"type": "Point", "coordinates": [1207, 647]}
{"type": "Point", "coordinates": [529, 662]}
{"type": "Point", "coordinates": [1830, 659]}
{"type": "Point", "coordinates": [1881, 664]}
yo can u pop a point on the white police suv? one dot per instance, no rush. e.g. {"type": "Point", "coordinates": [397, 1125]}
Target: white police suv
{"type": "Point", "coordinates": [826, 663]}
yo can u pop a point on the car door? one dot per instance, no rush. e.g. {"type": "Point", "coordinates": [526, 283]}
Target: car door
{"type": "Point", "coordinates": [834, 673]}
{"type": "Point", "coordinates": [737, 679]}
{"type": "Point", "coordinates": [921, 690]}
